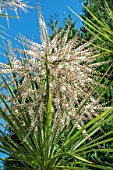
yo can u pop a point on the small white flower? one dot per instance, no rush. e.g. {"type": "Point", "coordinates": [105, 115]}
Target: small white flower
{"type": "Point", "coordinates": [63, 88]}
{"type": "Point", "coordinates": [60, 66]}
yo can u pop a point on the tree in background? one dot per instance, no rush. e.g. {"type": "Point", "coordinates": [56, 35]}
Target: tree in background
{"type": "Point", "coordinates": [68, 22]}
{"type": "Point", "coordinates": [98, 19]}
{"type": "Point", "coordinates": [99, 10]}
{"type": "Point", "coordinates": [100, 13]}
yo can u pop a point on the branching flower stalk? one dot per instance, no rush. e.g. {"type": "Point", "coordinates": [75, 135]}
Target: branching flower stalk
{"type": "Point", "coordinates": [6, 6]}
{"type": "Point", "coordinates": [59, 66]}
{"type": "Point", "coordinates": [42, 88]}
{"type": "Point", "coordinates": [14, 5]}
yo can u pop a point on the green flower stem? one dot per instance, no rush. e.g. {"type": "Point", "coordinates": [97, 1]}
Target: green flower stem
{"type": "Point", "coordinates": [48, 114]}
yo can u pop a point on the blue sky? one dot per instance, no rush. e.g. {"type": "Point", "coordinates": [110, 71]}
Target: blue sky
{"type": "Point", "coordinates": [28, 23]}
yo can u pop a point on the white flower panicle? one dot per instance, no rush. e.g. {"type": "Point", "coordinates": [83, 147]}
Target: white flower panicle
{"type": "Point", "coordinates": [70, 78]}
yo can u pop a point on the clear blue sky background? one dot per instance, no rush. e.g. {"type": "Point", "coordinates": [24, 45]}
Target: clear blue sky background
{"type": "Point", "coordinates": [28, 23]}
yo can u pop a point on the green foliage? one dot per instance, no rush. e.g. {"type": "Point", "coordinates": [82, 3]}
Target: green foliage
{"type": "Point", "coordinates": [98, 9]}
{"type": "Point", "coordinates": [98, 17]}
{"type": "Point", "coordinates": [45, 140]}
{"type": "Point", "coordinates": [68, 23]}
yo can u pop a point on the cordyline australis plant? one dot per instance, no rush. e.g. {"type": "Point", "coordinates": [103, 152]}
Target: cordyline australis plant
{"type": "Point", "coordinates": [46, 95]}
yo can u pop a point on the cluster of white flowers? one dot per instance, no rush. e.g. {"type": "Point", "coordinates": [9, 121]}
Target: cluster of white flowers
{"type": "Point", "coordinates": [14, 5]}
{"type": "Point", "coordinates": [70, 78]}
